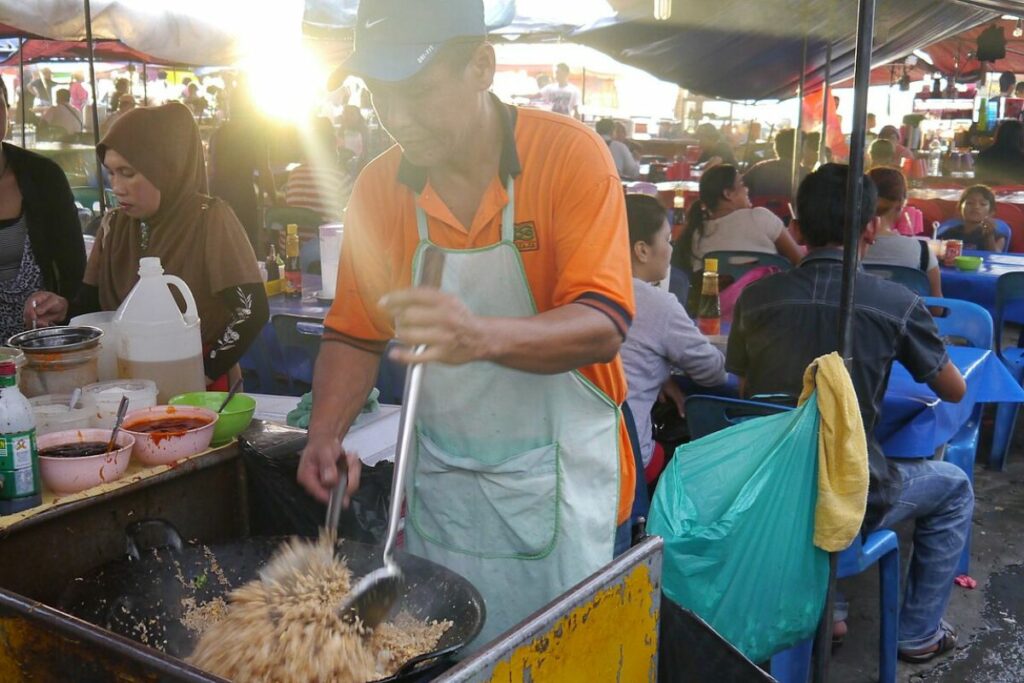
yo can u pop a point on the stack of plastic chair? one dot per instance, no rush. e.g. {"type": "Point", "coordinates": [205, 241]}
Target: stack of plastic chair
{"type": "Point", "coordinates": [1002, 230]}
{"type": "Point", "coordinates": [708, 414]}
{"type": "Point", "coordinates": [913, 279]}
{"type": "Point", "coordinates": [962, 323]}
{"type": "Point", "coordinates": [1009, 289]}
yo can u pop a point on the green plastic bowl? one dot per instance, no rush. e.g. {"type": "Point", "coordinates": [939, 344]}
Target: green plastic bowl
{"type": "Point", "coordinates": [233, 420]}
{"type": "Point", "coordinates": [963, 263]}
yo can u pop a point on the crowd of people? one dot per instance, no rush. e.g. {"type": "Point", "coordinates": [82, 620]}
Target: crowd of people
{"type": "Point", "coordinates": [551, 290]}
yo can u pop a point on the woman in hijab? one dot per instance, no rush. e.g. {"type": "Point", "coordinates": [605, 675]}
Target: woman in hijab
{"type": "Point", "coordinates": [155, 159]}
{"type": "Point", "coordinates": [41, 245]}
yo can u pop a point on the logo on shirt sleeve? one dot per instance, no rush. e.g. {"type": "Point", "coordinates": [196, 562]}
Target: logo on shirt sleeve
{"type": "Point", "coordinates": [525, 237]}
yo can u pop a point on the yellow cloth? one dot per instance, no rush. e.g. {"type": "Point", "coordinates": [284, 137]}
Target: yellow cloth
{"type": "Point", "coordinates": [842, 454]}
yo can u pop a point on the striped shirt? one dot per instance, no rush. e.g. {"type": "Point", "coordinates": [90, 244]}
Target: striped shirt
{"type": "Point", "coordinates": [322, 190]}
{"type": "Point", "coordinates": [13, 232]}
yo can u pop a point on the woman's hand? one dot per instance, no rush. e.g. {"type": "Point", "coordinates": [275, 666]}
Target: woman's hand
{"type": "Point", "coordinates": [45, 308]}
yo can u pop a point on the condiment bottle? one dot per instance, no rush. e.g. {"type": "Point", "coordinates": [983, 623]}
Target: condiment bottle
{"type": "Point", "coordinates": [19, 456]}
{"type": "Point", "coordinates": [292, 269]}
{"type": "Point", "coordinates": [678, 213]}
{"type": "Point", "coordinates": [273, 270]}
{"type": "Point", "coordinates": [709, 311]}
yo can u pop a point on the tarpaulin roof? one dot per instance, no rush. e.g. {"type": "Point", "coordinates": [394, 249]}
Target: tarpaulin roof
{"type": "Point", "coordinates": [174, 31]}
{"type": "Point", "coordinates": [737, 49]}
{"type": "Point", "coordinates": [105, 51]}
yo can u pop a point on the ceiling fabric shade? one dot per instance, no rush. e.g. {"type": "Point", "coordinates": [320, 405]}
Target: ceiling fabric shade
{"type": "Point", "coordinates": [740, 50]}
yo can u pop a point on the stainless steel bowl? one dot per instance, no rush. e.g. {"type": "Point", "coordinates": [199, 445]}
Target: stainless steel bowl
{"type": "Point", "coordinates": [56, 339]}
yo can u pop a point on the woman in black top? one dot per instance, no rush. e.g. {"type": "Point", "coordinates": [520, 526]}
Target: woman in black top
{"type": "Point", "coordinates": [1002, 163]}
{"type": "Point", "coordinates": [41, 245]}
{"type": "Point", "coordinates": [977, 229]}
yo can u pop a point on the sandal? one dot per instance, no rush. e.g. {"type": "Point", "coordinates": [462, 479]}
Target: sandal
{"type": "Point", "coordinates": [946, 643]}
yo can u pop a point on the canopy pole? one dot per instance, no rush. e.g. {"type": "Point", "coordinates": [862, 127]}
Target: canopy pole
{"type": "Point", "coordinates": [95, 109]}
{"type": "Point", "coordinates": [795, 171]}
{"type": "Point", "coordinates": [851, 243]}
{"type": "Point", "coordinates": [21, 85]}
{"type": "Point", "coordinates": [145, 86]}
{"type": "Point", "coordinates": [826, 96]}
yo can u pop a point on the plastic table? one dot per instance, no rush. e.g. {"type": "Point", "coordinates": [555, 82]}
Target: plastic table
{"type": "Point", "coordinates": [979, 286]}
{"type": "Point", "coordinates": [914, 421]}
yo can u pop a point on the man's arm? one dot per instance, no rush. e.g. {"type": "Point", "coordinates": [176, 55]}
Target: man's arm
{"type": "Point", "coordinates": [559, 340]}
{"type": "Point", "coordinates": [343, 378]}
{"type": "Point", "coordinates": [949, 384]}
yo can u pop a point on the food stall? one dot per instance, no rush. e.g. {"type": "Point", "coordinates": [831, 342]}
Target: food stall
{"type": "Point", "coordinates": [210, 498]}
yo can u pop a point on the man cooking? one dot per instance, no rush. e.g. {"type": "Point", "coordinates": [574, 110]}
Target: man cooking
{"type": "Point", "coordinates": [522, 476]}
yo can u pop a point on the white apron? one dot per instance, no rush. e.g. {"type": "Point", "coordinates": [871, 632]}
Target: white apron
{"type": "Point", "coordinates": [515, 479]}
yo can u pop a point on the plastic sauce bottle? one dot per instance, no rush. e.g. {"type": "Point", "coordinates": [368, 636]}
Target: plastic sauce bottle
{"type": "Point", "coordinates": [292, 269]}
{"type": "Point", "coordinates": [709, 311]}
{"type": "Point", "coordinates": [19, 456]}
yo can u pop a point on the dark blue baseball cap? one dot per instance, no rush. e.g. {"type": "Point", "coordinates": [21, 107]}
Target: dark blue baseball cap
{"type": "Point", "coordinates": [394, 39]}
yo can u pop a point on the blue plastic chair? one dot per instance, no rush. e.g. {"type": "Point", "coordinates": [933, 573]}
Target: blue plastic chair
{"type": "Point", "coordinates": [962, 323]}
{"type": "Point", "coordinates": [736, 264]}
{"type": "Point", "coordinates": [1002, 229]}
{"type": "Point", "coordinates": [913, 279]}
{"type": "Point", "coordinates": [708, 414]}
{"type": "Point", "coordinates": [298, 338]}
{"type": "Point", "coordinates": [793, 665]}
{"type": "Point", "coordinates": [1009, 288]}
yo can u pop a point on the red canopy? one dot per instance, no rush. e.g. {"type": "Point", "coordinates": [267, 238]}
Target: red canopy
{"type": "Point", "coordinates": [105, 51]}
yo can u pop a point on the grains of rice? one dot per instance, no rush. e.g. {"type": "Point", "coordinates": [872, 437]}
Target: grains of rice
{"type": "Point", "coordinates": [284, 626]}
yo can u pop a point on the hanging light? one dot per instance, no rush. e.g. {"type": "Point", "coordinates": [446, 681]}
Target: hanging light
{"type": "Point", "coordinates": [1018, 30]}
{"type": "Point", "coordinates": [662, 10]}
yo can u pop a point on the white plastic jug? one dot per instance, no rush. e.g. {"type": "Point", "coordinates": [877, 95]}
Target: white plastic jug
{"type": "Point", "coordinates": [155, 340]}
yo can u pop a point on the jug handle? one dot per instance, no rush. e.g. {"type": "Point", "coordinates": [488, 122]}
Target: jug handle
{"type": "Point", "coordinates": [191, 310]}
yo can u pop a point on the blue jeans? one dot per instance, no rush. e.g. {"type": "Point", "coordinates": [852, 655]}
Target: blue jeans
{"type": "Point", "coordinates": [939, 498]}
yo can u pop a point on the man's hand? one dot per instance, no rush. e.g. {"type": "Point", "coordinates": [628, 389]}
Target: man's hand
{"type": "Point", "coordinates": [44, 309]}
{"type": "Point", "coordinates": [452, 334]}
{"type": "Point", "coordinates": [318, 468]}
{"type": "Point", "coordinates": [670, 391]}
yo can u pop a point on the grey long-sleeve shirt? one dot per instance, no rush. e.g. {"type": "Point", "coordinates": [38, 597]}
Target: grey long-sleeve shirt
{"type": "Point", "coordinates": [663, 337]}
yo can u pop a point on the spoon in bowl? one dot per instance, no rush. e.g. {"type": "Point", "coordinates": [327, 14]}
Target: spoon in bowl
{"type": "Point", "coordinates": [122, 408]}
{"type": "Point", "coordinates": [231, 394]}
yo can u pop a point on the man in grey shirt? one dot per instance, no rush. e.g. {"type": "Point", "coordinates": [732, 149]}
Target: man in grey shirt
{"type": "Point", "coordinates": [662, 336]}
{"type": "Point", "coordinates": [625, 163]}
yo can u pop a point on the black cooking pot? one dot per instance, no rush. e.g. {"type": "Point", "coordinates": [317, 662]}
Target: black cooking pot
{"type": "Point", "coordinates": [145, 596]}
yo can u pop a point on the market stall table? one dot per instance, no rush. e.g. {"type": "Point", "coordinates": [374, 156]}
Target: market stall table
{"type": "Point", "coordinates": [979, 286]}
{"type": "Point", "coordinates": [308, 306]}
{"type": "Point", "coordinates": [914, 422]}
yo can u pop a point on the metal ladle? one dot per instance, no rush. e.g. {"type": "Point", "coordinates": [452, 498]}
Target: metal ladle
{"type": "Point", "coordinates": [372, 598]}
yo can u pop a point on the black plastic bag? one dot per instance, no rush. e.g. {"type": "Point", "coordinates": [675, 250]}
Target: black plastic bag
{"type": "Point", "coordinates": [279, 506]}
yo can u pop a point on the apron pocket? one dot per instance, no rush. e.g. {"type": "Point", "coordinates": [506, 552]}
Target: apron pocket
{"type": "Point", "coordinates": [507, 510]}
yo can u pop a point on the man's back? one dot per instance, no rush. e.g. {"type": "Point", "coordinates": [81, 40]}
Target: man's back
{"type": "Point", "coordinates": [784, 322]}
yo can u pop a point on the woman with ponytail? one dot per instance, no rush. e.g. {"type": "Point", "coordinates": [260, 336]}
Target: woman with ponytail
{"type": "Point", "coordinates": [723, 220]}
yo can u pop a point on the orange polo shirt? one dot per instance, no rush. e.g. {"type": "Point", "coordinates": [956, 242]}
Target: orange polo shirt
{"type": "Point", "coordinates": [570, 228]}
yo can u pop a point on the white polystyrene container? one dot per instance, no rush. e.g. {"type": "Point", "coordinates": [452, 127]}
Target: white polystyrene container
{"type": "Point", "coordinates": [102, 399]}
{"type": "Point", "coordinates": [54, 414]}
{"type": "Point", "coordinates": [156, 340]}
{"type": "Point", "coordinates": [106, 366]}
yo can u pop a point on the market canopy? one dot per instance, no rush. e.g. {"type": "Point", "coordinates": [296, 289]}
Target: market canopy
{"type": "Point", "coordinates": [36, 50]}
{"type": "Point", "coordinates": [743, 50]}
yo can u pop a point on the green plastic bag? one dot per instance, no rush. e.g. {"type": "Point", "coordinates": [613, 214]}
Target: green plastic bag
{"type": "Point", "coordinates": [736, 510]}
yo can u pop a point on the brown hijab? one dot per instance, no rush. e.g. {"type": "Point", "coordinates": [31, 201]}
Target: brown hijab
{"type": "Point", "coordinates": [196, 237]}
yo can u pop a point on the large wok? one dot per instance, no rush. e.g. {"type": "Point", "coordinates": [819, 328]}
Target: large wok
{"type": "Point", "coordinates": [145, 596]}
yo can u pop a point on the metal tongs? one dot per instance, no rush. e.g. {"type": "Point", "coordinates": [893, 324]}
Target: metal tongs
{"type": "Point", "coordinates": [372, 598]}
